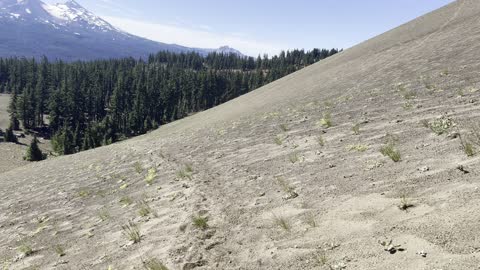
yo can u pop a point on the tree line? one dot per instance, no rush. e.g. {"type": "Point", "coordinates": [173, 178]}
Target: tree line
{"type": "Point", "coordinates": [83, 105]}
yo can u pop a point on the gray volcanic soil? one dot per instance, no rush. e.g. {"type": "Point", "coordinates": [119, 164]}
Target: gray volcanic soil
{"type": "Point", "coordinates": [251, 156]}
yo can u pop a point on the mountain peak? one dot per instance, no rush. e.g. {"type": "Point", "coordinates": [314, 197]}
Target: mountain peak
{"type": "Point", "coordinates": [72, 4]}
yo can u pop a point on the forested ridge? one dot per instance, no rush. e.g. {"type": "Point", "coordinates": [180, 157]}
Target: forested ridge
{"type": "Point", "coordinates": [95, 103]}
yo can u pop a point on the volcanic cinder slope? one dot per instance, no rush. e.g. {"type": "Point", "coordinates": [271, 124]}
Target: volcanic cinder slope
{"type": "Point", "coordinates": [241, 164]}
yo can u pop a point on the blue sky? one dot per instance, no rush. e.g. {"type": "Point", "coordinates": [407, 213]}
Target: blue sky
{"type": "Point", "coordinates": [260, 26]}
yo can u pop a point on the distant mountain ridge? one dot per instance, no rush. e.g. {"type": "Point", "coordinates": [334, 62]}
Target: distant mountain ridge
{"type": "Point", "coordinates": [68, 31]}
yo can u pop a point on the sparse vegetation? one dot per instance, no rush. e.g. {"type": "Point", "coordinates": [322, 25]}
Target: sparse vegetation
{"type": "Point", "coordinates": [283, 127]}
{"type": "Point", "coordinates": [151, 175]}
{"type": "Point", "coordinates": [356, 129]}
{"type": "Point", "coordinates": [441, 125]}
{"type": "Point", "coordinates": [132, 232]}
{"type": "Point", "coordinates": [326, 121]}
{"type": "Point", "coordinates": [84, 193]}
{"type": "Point", "coordinates": [145, 209]}
{"type": "Point", "coordinates": [200, 222]}
{"type": "Point", "coordinates": [59, 250]}
{"type": "Point", "coordinates": [358, 147]}
{"type": "Point", "coordinates": [405, 204]}
{"type": "Point", "coordinates": [154, 264]}
{"type": "Point", "coordinates": [185, 172]}
{"type": "Point", "coordinates": [311, 220]}
{"type": "Point", "coordinates": [321, 140]}
{"type": "Point", "coordinates": [104, 215]}
{"type": "Point", "coordinates": [278, 140]}
{"type": "Point", "coordinates": [293, 157]}
{"type": "Point", "coordinates": [25, 249]}
{"type": "Point", "coordinates": [138, 167]}
{"type": "Point", "coordinates": [430, 86]}
{"type": "Point", "coordinates": [390, 151]}
{"type": "Point", "coordinates": [126, 201]}
{"type": "Point", "coordinates": [320, 258]}
{"type": "Point", "coordinates": [407, 105]}
{"type": "Point", "coordinates": [467, 147]}
{"type": "Point", "coordinates": [409, 94]}
{"type": "Point", "coordinates": [287, 188]}
{"type": "Point", "coordinates": [281, 222]}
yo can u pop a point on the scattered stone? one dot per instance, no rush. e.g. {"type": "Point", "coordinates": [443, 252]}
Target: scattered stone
{"type": "Point", "coordinates": [338, 266]}
{"type": "Point", "coordinates": [291, 195]}
{"type": "Point", "coordinates": [365, 121]}
{"type": "Point", "coordinates": [60, 263]}
{"type": "Point", "coordinates": [422, 253]}
{"type": "Point", "coordinates": [453, 135]}
{"type": "Point", "coordinates": [424, 169]}
{"type": "Point", "coordinates": [462, 169]}
{"type": "Point", "coordinates": [193, 265]}
{"type": "Point", "coordinates": [262, 194]}
{"type": "Point", "coordinates": [390, 247]}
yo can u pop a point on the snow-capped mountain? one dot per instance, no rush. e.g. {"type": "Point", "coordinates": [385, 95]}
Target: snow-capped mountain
{"type": "Point", "coordinates": [67, 31]}
{"type": "Point", "coordinates": [225, 50]}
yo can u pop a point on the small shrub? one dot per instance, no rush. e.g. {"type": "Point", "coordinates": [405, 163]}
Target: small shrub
{"type": "Point", "coordinates": [430, 86]}
{"type": "Point", "coordinates": [405, 203]}
{"type": "Point", "coordinates": [310, 220]}
{"type": "Point", "coordinates": [467, 147]}
{"type": "Point", "coordinates": [409, 94]}
{"type": "Point", "coordinates": [282, 223]}
{"type": "Point", "coordinates": [326, 121]}
{"type": "Point", "coordinates": [425, 123]}
{"type": "Point", "coordinates": [321, 258]}
{"type": "Point", "coordinates": [284, 127]}
{"type": "Point", "coordinates": [286, 187]}
{"type": "Point", "coordinates": [356, 129]}
{"type": "Point", "coordinates": [321, 140]}
{"type": "Point", "coordinates": [358, 148]}
{"type": "Point", "coordinates": [278, 140]}
{"type": "Point", "coordinates": [200, 222]}
{"type": "Point", "coordinates": [132, 232]}
{"type": "Point", "coordinates": [441, 125]}
{"type": "Point", "coordinates": [126, 201]}
{"type": "Point", "coordinates": [151, 175]}
{"type": "Point", "coordinates": [185, 172]}
{"type": "Point", "coordinates": [59, 250]}
{"type": "Point", "coordinates": [84, 193]}
{"type": "Point", "coordinates": [138, 167]}
{"type": "Point", "coordinates": [293, 158]}
{"type": "Point", "coordinates": [145, 209]}
{"type": "Point", "coordinates": [104, 215]}
{"type": "Point", "coordinates": [390, 151]}
{"type": "Point", "coordinates": [25, 250]}
{"type": "Point", "coordinates": [154, 264]}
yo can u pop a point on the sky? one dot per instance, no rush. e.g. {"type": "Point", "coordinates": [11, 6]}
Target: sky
{"type": "Point", "coordinates": [257, 27]}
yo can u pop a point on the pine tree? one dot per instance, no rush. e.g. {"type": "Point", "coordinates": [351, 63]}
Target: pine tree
{"type": "Point", "coordinates": [12, 109]}
{"type": "Point", "coordinates": [10, 136]}
{"type": "Point", "coordinates": [33, 152]}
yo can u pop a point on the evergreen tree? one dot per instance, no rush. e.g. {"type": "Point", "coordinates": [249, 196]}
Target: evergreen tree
{"type": "Point", "coordinates": [10, 136]}
{"type": "Point", "coordinates": [33, 152]}
{"type": "Point", "coordinates": [94, 103]}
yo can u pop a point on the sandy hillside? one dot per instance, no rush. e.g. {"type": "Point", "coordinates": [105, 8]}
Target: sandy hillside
{"type": "Point", "coordinates": [290, 176]}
